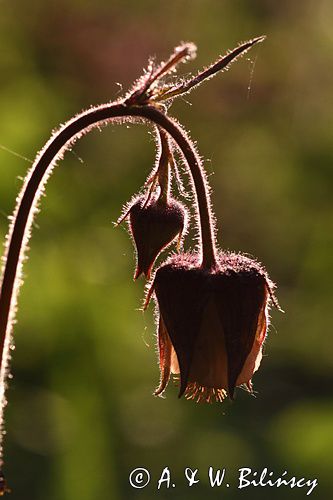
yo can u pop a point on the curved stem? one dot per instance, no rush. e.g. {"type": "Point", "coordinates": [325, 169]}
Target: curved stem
{"type": "Point", "coordinates": [27, 201]}
{"type": "Point", "coordinates": [199, 179]}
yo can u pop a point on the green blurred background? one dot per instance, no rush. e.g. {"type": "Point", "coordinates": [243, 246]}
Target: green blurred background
{"type": "Point", "coordinates": [81, 414]}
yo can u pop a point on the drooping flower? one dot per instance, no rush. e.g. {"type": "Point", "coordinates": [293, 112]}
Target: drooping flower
{"type": "Point", "coordinates": [154, 225]}
{"type": "Point", "coordinates": [212, 324]}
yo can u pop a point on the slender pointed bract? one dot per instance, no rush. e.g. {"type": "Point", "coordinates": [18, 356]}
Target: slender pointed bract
{"type": "Point", "coordinates": [212, 323]}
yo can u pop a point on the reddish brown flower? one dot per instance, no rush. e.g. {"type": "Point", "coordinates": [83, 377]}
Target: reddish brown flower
{"type": "Point", "coordinates": [212, 324]}
{"type": "Point", "coordinates": [154, 226]}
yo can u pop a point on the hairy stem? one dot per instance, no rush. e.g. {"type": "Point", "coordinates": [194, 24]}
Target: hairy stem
{"type": "Point", "coordinates": [163, 171]}
{"type": "Point", "coordinates": [20, 228]}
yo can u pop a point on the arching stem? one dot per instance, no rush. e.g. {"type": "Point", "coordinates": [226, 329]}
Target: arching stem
{"type": "Point", "coordinates": [27, 201]}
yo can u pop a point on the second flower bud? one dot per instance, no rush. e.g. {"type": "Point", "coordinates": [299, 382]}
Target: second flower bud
{"type": "Point", "coordinates": [154, 226]}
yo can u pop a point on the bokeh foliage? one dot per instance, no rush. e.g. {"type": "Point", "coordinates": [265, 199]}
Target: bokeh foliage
{"type": "Point", "coordinates": [80, 415]}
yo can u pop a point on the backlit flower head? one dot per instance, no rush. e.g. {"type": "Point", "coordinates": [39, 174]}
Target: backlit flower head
{"type": "Point", "coordinates": [212, 324]}
{"type": "Point", "coordinates": [154, 226]}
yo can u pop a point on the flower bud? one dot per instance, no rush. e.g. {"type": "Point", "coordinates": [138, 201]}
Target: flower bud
{"type": "Point", "coordinates": [212, 324]}
{"type": "Point", "coordinates": [154, 226]}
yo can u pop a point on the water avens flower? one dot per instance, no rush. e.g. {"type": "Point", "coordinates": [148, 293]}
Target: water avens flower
{"type": "Point", "coordinates": [212, 323]}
